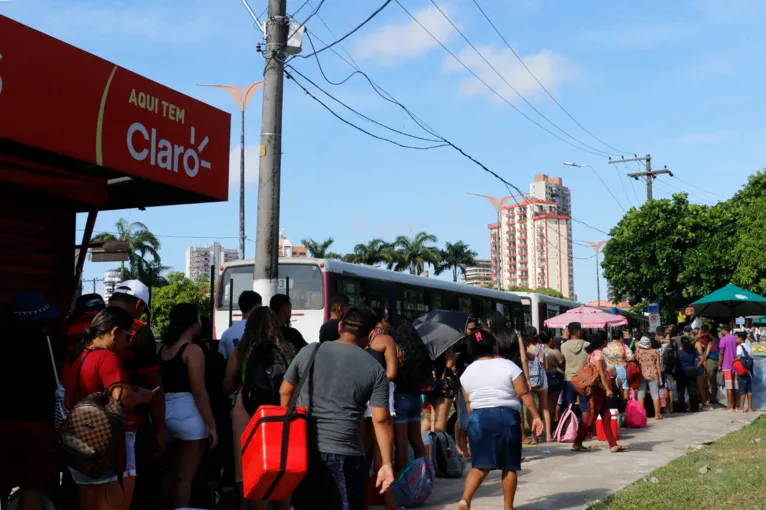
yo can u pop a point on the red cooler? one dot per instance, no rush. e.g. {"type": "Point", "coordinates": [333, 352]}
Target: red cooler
{"type": "Point", "coordinates": [615, 426]}
{"type": "Point", "coordinates": [274, 463]}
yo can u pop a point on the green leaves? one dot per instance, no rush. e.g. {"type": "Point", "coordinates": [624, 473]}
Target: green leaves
{"type": "Point", "coordinates": [179, 289]}
{"type": "Point", "coordinates": [676, 252]}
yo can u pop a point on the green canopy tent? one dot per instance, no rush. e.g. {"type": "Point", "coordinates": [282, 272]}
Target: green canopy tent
{"type": "Point", "coordinates": [729, 301]}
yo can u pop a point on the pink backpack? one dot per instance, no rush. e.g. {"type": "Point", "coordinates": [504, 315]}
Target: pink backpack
{"type": "Point", "coordinates": [566, 432]}
{"type": "Point", "coordinates": [635, 415]}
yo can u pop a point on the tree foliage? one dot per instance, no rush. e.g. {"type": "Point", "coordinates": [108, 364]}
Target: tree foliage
{"type": "Point", "coordinates": [376, 251]}
{"type": "Point", "coordinates": [144, 261]}
{"type": "Point", "coordinates": [539, 290]}
{"type": "Point", "coordinates": [415, 253]}
{"type": "Point", "coordinates": [457, 256]}
{"type": "Point", "coordinates": [178, 290]}
{"type": "Point", "coordinates": [320, 249]}
{"type": "Point", "coordinates": [676, 252]}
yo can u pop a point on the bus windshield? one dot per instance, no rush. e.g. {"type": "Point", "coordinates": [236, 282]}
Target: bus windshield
{"type": "Point", "coordinates": [305, 285]}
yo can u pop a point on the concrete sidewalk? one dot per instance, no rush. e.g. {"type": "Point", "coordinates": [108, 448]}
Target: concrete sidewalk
{"type": "Point", "coordinates": [562, 479]}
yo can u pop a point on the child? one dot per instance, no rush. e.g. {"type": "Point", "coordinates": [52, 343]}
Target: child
{"type": "Point", "coordinates": [745, 381]}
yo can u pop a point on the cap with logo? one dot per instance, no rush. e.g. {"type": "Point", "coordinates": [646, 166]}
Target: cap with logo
{"type": "Point", "coordinates": [134, 288]}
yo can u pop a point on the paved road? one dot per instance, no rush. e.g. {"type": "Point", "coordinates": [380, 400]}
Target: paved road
{"type": "Point", "coordinates": [564, 480]}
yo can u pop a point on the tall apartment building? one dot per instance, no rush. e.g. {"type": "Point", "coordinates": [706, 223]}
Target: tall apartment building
{"type": "Point", "coordinates": [288, 249]}
{"type": "Point", "coordinates": [199, 260]}
{"type": "Point", "coordinates": [552, 188]}
{"type": "Point", "coordinates": [479, 275]}
{"type": "Point", "coordinates": [535, 239]}
{"type": "Point", "coordinates": [112, 278]}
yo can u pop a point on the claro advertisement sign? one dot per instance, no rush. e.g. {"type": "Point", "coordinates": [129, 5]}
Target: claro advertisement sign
{"type": "Point", "coordinates": [67, 101]}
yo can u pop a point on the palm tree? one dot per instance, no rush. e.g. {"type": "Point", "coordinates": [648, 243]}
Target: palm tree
{"type": "Point", "coordinates": [144, 255]}
{"type": "Point", "coordinates": [414, 253]}
{"type": "Point", "coordinates": [319, 250]}
{"type": "Point", "coordinates": [457, 256]}
{"type": "Point", "coordinates": [376, 251]}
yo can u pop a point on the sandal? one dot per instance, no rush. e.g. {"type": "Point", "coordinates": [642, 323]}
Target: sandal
{"type": "Point", "coordinates": [620, 448]}
{"type": "Point", "coordinates": [580, 448]}
{"type": "Point", "coordinates": [463, 505]}
{"type": "Point", "coordinates": [530, 441]}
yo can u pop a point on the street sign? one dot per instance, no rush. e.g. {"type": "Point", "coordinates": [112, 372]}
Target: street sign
{"type": "Point", "coordinates": [689, 312]}
{"type": "Point", "coordinates": [740, 320]}
{"type": "Point", "coordinates": [654, 321]}
{"type": "Point", "coordinates": [653, 308]}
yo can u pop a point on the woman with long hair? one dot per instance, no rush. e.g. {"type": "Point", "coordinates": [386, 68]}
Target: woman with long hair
{"type": "Point", "coordinates": [262, 336]}
{"type": "Point", "coordinates": [538, 367]}
{"type": "Point", "coordinates": [95, 368]}
{"type": "Point", "coordinates": [494, 388]}
{"type": "Point", "coordinates": [554, 372]}
{"type": "Point", "coordinates": [509, 346]}
{"type": "Point", "coordinates": [189, 420]}
{"type": "Point", "coordinates": [598, 402]}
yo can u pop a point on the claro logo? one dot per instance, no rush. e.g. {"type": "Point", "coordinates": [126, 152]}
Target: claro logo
{"type": "Point", "coordinates": [143, 144]}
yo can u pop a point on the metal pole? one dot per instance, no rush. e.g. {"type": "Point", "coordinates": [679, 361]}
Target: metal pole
{"type": "Point", "coordinates": [267, 232]}
{"type": "Point", "coordinates": [149, 304]}
{"type": "Point", "coordinates": [231, 302]}
{"type": "Point", "coordinates": [287, 286]}
{"type": "Point", "coordinates": [242, 189]}
{"type": "Point", "coordinates": [649, 177]}
{"type": "Point", "coordinates": [212, 291]}
{"type": "Point", "coordinates": [94, 285]}
{"type": "Point", "coordinates": [499, 257]}
{"type": "Point", "coordinates": [598, 283]}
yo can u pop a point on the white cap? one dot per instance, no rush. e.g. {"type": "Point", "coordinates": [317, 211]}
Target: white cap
{"type": "Point", "coordinates": [134, 288]}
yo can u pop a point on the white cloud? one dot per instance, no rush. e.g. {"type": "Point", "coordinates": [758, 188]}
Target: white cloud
{"type": "Point", "coordinates": [553, 70]}
{"type": "Point", "coordinates": [704, 138]}
{"type": "Point", "coordinates": [642, 34]}
{"type": "Point", "coordinates": [404, 38]}
{"type": "Point", "coordinates": [252, 160]}
{"type": "Point", "coordinates": [155, 25]}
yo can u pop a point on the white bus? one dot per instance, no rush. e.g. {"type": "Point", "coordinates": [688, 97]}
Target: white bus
{"type": "Point", "coordinates": [311, 283]}
{"type": "Point", "coordinates": [538, 308]}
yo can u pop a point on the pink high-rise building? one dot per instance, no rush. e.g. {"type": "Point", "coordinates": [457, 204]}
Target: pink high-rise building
{"type": "Point", "coordinates": [536, 239]}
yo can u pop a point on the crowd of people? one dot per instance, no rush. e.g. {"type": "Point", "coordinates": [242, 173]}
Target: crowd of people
{"type": "Point", "coordinates": [374, 395]}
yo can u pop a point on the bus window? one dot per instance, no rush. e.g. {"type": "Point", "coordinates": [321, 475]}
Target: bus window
{"type": "Point", "coordinates": [436, 301]}
{"type": "Point", "coordinates": [350, 288]}
{"type": "Point", "coordinates": [487, 307]}
{"type": "Point", "coordinates": [414, 304]}
{"type": "Point", "coordinates": [305, 285]}
{"type": "Point", "coordinates": [464, 305]}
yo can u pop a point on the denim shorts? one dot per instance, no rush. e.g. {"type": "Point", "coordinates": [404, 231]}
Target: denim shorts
{"type": "Point", "coordinates": [183, 419]}
{"type": "Point", "coordinates": [495, 436]}
{"type": "Point", "coordinates": [622, 375]}
{"type": "Point", "coordinates": [408, 407]}
{"type": "Point", "coordinates": [111, 474]}
{"type": "Point", "coordinates": [745, 384]}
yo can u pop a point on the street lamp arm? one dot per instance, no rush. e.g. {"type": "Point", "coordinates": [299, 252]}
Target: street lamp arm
{"type": "Point", "coordinates": [252, 15]}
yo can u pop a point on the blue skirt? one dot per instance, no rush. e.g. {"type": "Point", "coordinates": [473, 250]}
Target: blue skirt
{"type": "Point", "coordinates": [495, 438]}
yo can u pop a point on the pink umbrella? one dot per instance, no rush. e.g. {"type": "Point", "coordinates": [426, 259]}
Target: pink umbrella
{"type": "Point", "coordinates": [588, 317]}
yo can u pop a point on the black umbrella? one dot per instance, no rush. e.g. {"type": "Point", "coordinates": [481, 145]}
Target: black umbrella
{"type": "Point", "coordinates": [440, 330]}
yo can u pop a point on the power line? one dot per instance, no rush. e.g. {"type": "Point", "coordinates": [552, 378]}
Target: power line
{"type": "Point", "coordinates": [365, 116]}
{"type": "Point", "coordinates": [423, 125]}
{"type": "Point", "coordinates": [540, 83]}
{"type": "Point", "coordinates": [666, 183]}
{"type": "Point", "coordinates": [500, 96]}
{"type": "Point", "coordinates": [349, 123]}
{"type": "Point", "coordinates": [500, 75]}
{"type": "Point", "coordinates": [349, 34]}
{"type": "Point", "coordinates": [622, 184]}
{"type": "Point", "coordinates": [169, 235]}
{"type": "Point", "coordinates": [697, 187]}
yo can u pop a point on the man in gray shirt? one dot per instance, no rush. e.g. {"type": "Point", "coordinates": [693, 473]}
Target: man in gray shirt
{"type": "Point", "coordinates": [343, 379]}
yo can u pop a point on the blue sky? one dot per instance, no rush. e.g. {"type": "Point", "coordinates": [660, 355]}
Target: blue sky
{"type": "Point", "coordinates": [680, 80]}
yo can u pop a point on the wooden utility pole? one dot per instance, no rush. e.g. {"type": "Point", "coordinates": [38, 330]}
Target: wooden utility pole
{"type": "Point", "coordinates": [648, 174]}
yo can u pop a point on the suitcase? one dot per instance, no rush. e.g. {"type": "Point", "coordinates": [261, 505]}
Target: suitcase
{"type": "Point", "coordinates": [275, 447]}
{"type": "Point", "coordinates": [274, 453]}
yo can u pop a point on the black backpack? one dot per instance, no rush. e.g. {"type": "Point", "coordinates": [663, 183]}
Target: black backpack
{"type": "Point", "coordinates": [262, 375]}
{"type": "Point", "coordinates": [670, 360]}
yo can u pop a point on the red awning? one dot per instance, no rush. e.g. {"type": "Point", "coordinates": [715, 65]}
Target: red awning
{"type": "Point", "coordinates": [130, 141]}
